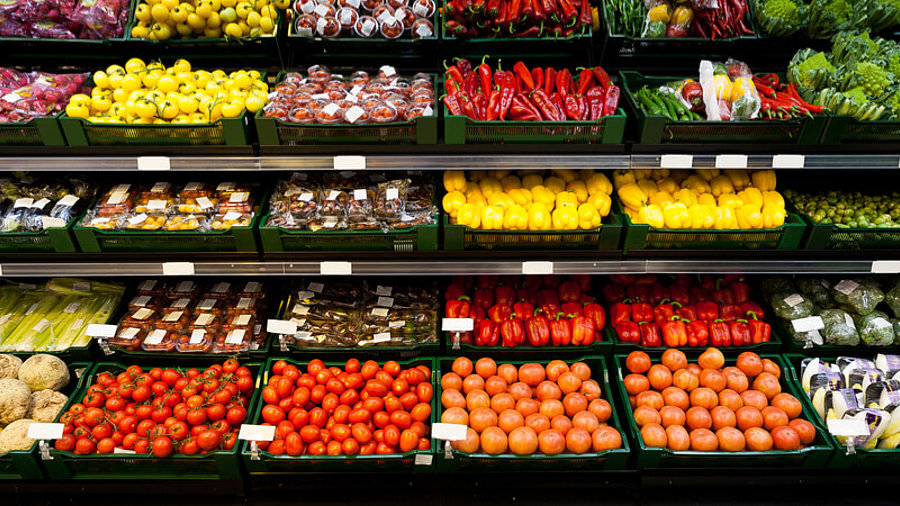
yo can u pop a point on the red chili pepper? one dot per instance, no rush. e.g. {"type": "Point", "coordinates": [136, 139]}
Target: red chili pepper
{"type": "Point", "coordinates": [697, 333]}
{"type": "Point", "coordinates": [595, 97]}
{"type": "Point", "coordinates": [524, 74]}
{"type": "Point", "coordinates": [522, 310]}
{"type": "Point", "coordinates": [563, 82]}
{"type": "Point", "coordinates": [741, 292]}
{"type": "Point", "coordinates": [730, 312]}
{"type": "Point", "coordinates": [569, 14]}
{"type": "Point", "coordinates": [650, 334]}
{"type": "Point", "coordinates": [470, 86]}
{"type": "Point", "coordinates": [512, 332]}
{"type": "Point", "coordinates": [572, 308]}
{"type": "Point", "coordinates": [534, 31]}
{"type": "Point", "coordinates": [583, 107]}
{"type": "Point", "coordinates": [493, 8]}
{"type": "Point", "coordinates": [527, 10]}
{"type": "Point", "coordinates": [641, 312]}
{"type": "Point", "coordinates": [707, 310]}
{"type": "Point", "coordinates": [464, 66]}
{"type": "Point", "coordinates": [620, 312]}
{"type": "Point", "coordinates": [573, 107]}
{"type": "Point", "coordinates": [582, 330]}
{"type": "Point", "coordinates": [585, 81]}
{"type": "Point", "coordinates": [719, 334]}
{"type": "Point", "coordinates": [611, 101]}
{"type": "Point", "coordinates": [481, 103]}
{"type": "Point", "coordinates": [628, 332]}
{"type": "Point", "coordinates": [752, 310]}
{"type": "Point", "coordinates": [500, 313]}
{"type": "Point", "coordinates": [514, 15]}
{"type": "Point", "coordinates": [740, 333]}
{"type": "Point", "coordinates": [557, 101]}
{"type": "Point", "coordinates": [597, 314]}
{"type": "Point", "coordinates": [686, 312]}
{"type": "Point", "coordinates": [493, 107]}
{"type": "Point", "coordinates": [484, 75]}
{"type": "Point", "coordinates": [539, 14]}
{"type": "Point", "coordinates": [537, 329]}
{"type": "Point", "coordinates": [560, 331]}
{"type": "Point", "coordinates": [569, 291]}
{"type": "Point", "coordinates": [483, 298]}
{"type": "Point", "coordinates": [761, 332]}
{"type": "Point", "coordinates": [469, 108]}
{"type": "Point", "coordinates": [663, 313]}
{"type": "Point", "coordinates": [547, 108]}
{"type": "Point", "coordinates": [505, 295]}
{"type": "Point", "coordinates": [453, 73]}
{"type": "Point", "coordinates": [674, 332]}
{"type": "Point", "coordinates": [522, 110]}
{"type": "Point", "coordinates": [456, 28]}
{"type": "Point", "coordinates": [452, 103]}
{"type": "Point", "coordinates": [551, 8]}
{"type": "Point", "coordinates": [549, 80]}
{"type": "Point", "coordinates": [602, 76]}
{"type": "Point", "coordinates": [500, 19]}
{"type": "Point", "coordinates": [584, 17]}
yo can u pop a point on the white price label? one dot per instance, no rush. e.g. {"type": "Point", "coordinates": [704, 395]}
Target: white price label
{"type": "Point", "coordinates": [242, 320]}
{"type": "Point", "coordinates": [793, 300]}
{"type": "Point", "coordinates": [71, 308]}
{"type": "Point", "coordinates": [154, 163]}
{"type": "Point", "coordinates": [142, 314]}
{"type": "Point", "coordinates": [676, 161]}
{"type": "Point", "coordinates": [23, 202]}
{"type": "Point", "coordinates": [137, 219]}
{"type": "Point", "coordinates": [424, 459]}
{"type": "Point", "coordinates": [385, 302]}
{"type": "Point", "coordinates": [178, 268]}
{"type": "Point", "coordinates": [238, 197]}
{"type": "Point", "coordinates": [321, 10]}
{"type": "Point", "coordinates": [67, 201]}
{"type": "Point", "coordinates": [360, 195]}
{"type": "Point", "coordinates": [244, 303]}
{"type": "Point", "coordinates": [382, 337]}
{"type": "Point", "coordinates": [392, 193]}
{"type": "Point", "coordinates": [197, 336]}
{"type": "Point", "coordinates": [181, 303]}
{"type": "Point", "coordinates": [384, 290]}
{"type": "Point", "coordinates": [40, 204]}
{"type": "Point", "coordinates": [458, 324]}
{"type": "Point", "coordinates": [123, 451]}
{"type": "Point", "coordinates": [387, 70]}
{"type": "Point", "coordinates": [336, 268]}
{"type": "Point", "coordinates": [172, 317]}
{"type": "Point", "coordinates": [97, 330]}
{"type": "Point", "coordinates": [788, 161]}
{"type": "Point", "coordinates": [45, 430]}
{"type": "Point", "coordinates": [236, 336]}
{"type": "Point", "coordinates": [448, 431]}
{"type": "Point", "coordinates": [848, 428]}
{"type": "Point", "coordinates": [281, 327]}
{"type": "Point", "coordinates": [156, 205]}
{"type": "Point", "coordinates": [846, 286]}
{"type": "Point", "coordinates": [350, 163]}
{"type": "Point", "coordinates": [731, 161]}
{"type": "Point", "coordinates": [316, 287]}
{"type": "Point", "coordinates": [42, 325]}
{"type": "Point", "coordinates": [155, 337]}
{"type": "Point", "coordinates": [257, 432]}
{"type": "Point", "coordinates": [231, 216]}
{"type": "Point", "coordinates": [129, 333]}
{"type": "Point", "coordinates": [537, 267]}
{"type": "Point", "coordinates": [354, 113]}
{"type": "Point", "coordinates": [204, 319]}
{"type": "Point", "coordinates": [808, 324]}
{"type": "Point", "coordinates": [82, 286]}
{"type": "Point", "coordinates": [380, 312]}
{"type": "Point", "coordinates": [886, 266]}
{"type": "Point", "coordinates": [204, 203]}
{"type": "Point", "coordinates": [50, 222]}
{"type": "Point", "coordinates": [396, 325]}
{"type": "Point", "coordinates": [221, 287]}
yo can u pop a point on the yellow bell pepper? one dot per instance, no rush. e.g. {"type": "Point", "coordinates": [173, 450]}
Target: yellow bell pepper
{"type": "Point", "coordinates": [539, 217]}
{"type": "Point", "coordinates": [543, 195]}
{"type": "Point", "coordinates": [772, 198]}
{"type": "Point", "coordinates": [682, 16]}
{"type": "Point", "coordinates": [555, 184]}
{"type": "Point", "coordinates": [750, 216]}
{"type": "Point", "coordinates": [454, 180]}
{"type": "Point", "coordinates": [740, 87]}
{"type": "Point", "coordinates": [521, 196]}
{"type": "Point", "coordinates": [492, 218]}
{"type": "Point", "coordinates": [599, 183]}
{"type": "Point", "coordinates": [632, 196]}
{"type": "Point", "coordinates": [579, 189]}
{"type": "Point", "coordinates": [773, 216]}
{"type": "Point", "coordinates": [474, 196]}
{"type": "Point", "coordinates": [586, 174]}
{"type": "Point", "coordinates": [648, 186]}
{"type": "Point", "coordinates": [686, 197]}
{"type": "Point", "coordinates": [510, 182]}
{"type": "Point", "coordinates": [676, 216]}
{"type": "Point", "coordinates": [680, 175]}
{"type": "Point", "coordinates": [697, 183]}
{"type": "Point", "coordinates": [706, 199]}
{"type": "Point", "coordinates": [566, 199]}
{"type": "Point", "coordinates": [751, 196]}
{"type": "Point", "coordinates": [489, 186]}
{"type": "Point", "coordinates": [565, 218]}
{"type": "Point", "coordinates": [531, 180]}
{"type": "Point", "coordinates": [622, 177]}
{"type": "Point", "coordinates": [588, 217]}
{"type": "Point", "coordinates": [601, 203]}
{"type": "Point", "coordinates": [702, 217]}
{"type": "Point", "coordinates": [722, 85]}
{"type": "Point", "coordinates": [667, 184]}
{"type": "Point", "coordinates": [740, 179]}
{"type": "Point", "coordinates": [477, 175]}
{"type": "Point", "coordinates": [725, 219]}
{"type": "Point", "coordinates": [453, 201]}
{"type": "Point", "coordinates": [764, 179]}
{"type": "Point", "coordinates": [567, 175]}
{"type": "Point", "coordinates": [515, 218]}
{"type": "Point", "coordinates": [632, 214]}
{"type": "Point", "coordinates": [662, 198]}
{"type": "Point", "coordinates": [500, 199]}
{"type": "Point", "coordinates": [651, 215]}
{"type": "Point", "coordinates": [659, 174]}
{"type": "Point", "coordinates": [730, 200]}
{"type": "Point", "coordinates": [641, 174]}
{"type": "Point", "coordinates": [469, 215]}
{"type": "Point", "coordinates": [500, 174]}
{"type": "Point", "coordinates": [660, 13]}
{"type": "Point", "coordinates": [721, 184]}
{"type": "Point", "coordinates": [707, 174]}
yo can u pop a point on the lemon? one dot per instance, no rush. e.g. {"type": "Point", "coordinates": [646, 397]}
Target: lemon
{"type": "Point", "coordinates": [135, 65]}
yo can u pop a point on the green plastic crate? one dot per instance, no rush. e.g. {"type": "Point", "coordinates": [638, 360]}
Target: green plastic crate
{"type": "Point", "coordinates": [458, 461]}
{"type": "Point", "coordinates": [826, 350]}
{"type": "Point", "coordinates": [606, 130]}
{"type": "Point", "coordinates": [226, 43]}
{"type": "Point", "coordinates": [140, 357]}
{"type": "Point", "coordinates": [34, 132]}
{"type": "Point", "coordinates": [51, 240]}
{"type": "Point", "coordinates": [846, 130]}
{"type": "Point", "coordinates": [281, 464]}
{"type": "Point", "coordinates": [641, 236]}
{"type": "Point", "coordinates": [418, 238]}
{"type": "Point", "coordinates": [605, 237]}
{"type": "Point", "coordinates": [603, 348]}
{"type": "Point", "coordinates": [662, 130]}
{"type": "Point", "coordinates": [25, 464]}
{"type": "Point", "coordinates": [225, 131]}
{"type": "Point", "coordinates": [876, 458]}
{"type": "Point", "coordinates": [773, 346]}
{"type": "Point", "coordinates": [829, 236]}
{"type": "Point", "coordinates": [813, 456]}
{"type": "Point", "coordinates": [218, 465]}
{"type": "Point", "coordinates": [524, 44]}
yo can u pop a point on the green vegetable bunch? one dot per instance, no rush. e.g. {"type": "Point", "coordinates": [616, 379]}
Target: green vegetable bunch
{"type": "Point", "coordinates": [780, 18]}
{"type": "Point", "coordinates": [828, 17]}
{"type": "Point", "coordinates": [625, 17]}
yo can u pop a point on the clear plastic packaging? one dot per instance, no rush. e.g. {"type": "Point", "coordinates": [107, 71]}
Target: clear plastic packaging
{"type": "Point", "coordinates": [173, 321]}
{"type": "Point", "coordinates": [196, 341]}
{"type": "Point", "coordinates": [153, 287]}
{"type": "Point", "coordinates": [128, 338]}
{"type": "Point", "coordinates": [235, 341]}
{"type": "Point", "coordinates": [140, 318]}
{"type": "Point", "coordinates": [184, 290]}
{"type": "Point", "coordinates": [159, 340]}
{"type": "Point", "coordinates": [211, 306]}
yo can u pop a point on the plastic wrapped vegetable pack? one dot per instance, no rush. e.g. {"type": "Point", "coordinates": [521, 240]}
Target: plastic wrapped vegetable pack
{"type": "Point", "coordinates": [64, 19]}
{"type": "Point", "coordinates": [28, 95]}
{"type": "Point", "coordinates": [191, 317]}
{"type": "Point", "coordinates": [165, 206]}
{"type": "Point", "coordinates": [352, 201]}
{"type": "Point", "coordinates": [54, 316]}
{"type": "Point", "coordinates": [368, 19]}
{"type": "Point", "coordinates": [30, 204]}
{"type": "Point", "coordinates": [349, 314]}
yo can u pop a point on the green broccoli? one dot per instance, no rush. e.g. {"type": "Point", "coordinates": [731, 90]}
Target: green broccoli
{"type": "Point", "coordinates": [780, 18]}
{"type": "Point", "coordinates": [873, 79]}
{"type": "Point", "coordinates": [827, 17]}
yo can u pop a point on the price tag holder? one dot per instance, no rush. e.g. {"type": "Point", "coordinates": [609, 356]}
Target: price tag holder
{"type": "Point", "coordinates": [808, 324]}
{"type": "Point", "coordinates": [423, 459]}
{"type": "Point", "coordinates": [281, 327]}
{"type": "Point", "coordinates": [848, 428]}
{"type": "Point", "coordinates": [537, 267]}
{"type": "Point", "coordinates": [349, 163]}
{"type": "Point", "coordinates": [123, 451]}
{"type": "Point", "coordinates": [878, 267]}
{"type": "Point", "coordinates": [178, 268]}
{"type": "Point", "coordinates": [788, 161]}
{"type": "Point", "coordinates": [676, 161]}
{"type": "Point", "coordinates": [97, 330]}
{"type": "Point", "coordinates": [336, 268]}
{"type": "Point", "coordinates": [45, 431]}
{"type": "Point", "coordinates": [448, 431]}
{"type": "Point", "coordinates": [257, 432]}
{"type": "Point", "coordinates": [154, 163]}
{"type": "Point", "coordinates": [457, 324]}
{"type": "Point", "coordinates": [731, 161]}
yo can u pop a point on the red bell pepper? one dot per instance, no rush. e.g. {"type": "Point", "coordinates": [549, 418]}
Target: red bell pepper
{"type": "Point", "coordinates": [572, 309]}
{"type": "Point", "coordinates": [583, 280]}
{"type": "Point", "coordinates": [650, 334]}
{"type": "Point", "coordinates": [486, 333]}
{"type": "Point", "coordinates": [522, 310]}
{"type": "Point", "coordinates": [641, 312]}
{"type": "Point", "coordinates": [740, 333]}
{"type": "Point", "coordinates": [582, 330]}
{"type": "Point", "coordinates": [466, 282]}
{"type": "Point", "coordinates": [628, 332]}
{"type": "Point", "coordinates": [680, 295]}
{"type": "Point", "coordinates": [613, 292]}
{"type": "Point", "coordinates": [730, 312]}
{"type": "Point", "coordinates": [526, 295]}
{"type": "Point", "coordinates": [697, 333]}
{"type": "Point", "coordinates": [458, 308]}
{"type": "Point", "coordinates": [499, 313]}
{"type": "Point", "coordinates": [623, 279]}
{"type": "Point", "coordinates": [550, 310]}
{"type": "Point", "coordinates": [752, 310]}
{"type": "Point", "coordinates": [597, 314]}
{"type": "Point", "coordinates": [722, 295]}
{"type": "Point", "coordinates": [504, 295]}
{"type": "Point", "coordinates": [707, 310]}
{"type": "Point", "coordinates": [483, 298]}
{"type": "Point", "coordinates": [658, 294]}
{"type": "Point", "coordinates": [477, 314]}
{"type": "Point", "coordinates": [454, 292]}
{"type": "Point", "coordinates": [569, 291]}
{"type": "Point", "coordinates": [741, 292]}
{"type": "Point", "coordinates": [620, 312]}
{"type": "Point", "coordinates": [537, 329]}
{"type": "Point", "coordinates": [586, 299]}
{"type": "Point", "coordinates": [674, 332]}
{"type": "Point", "coordinates": [547, 296]}
{"type": "Point", "coordinates": [487, 282]}
{"type": "Point", "coordinates": [719, 334]}
{"type": "Point", "coordinates": [638, 293]}
{"type": "Point", "coordinates": [663, 312]}
{"type": "Point", "coordinates": [560, 331]}
{"type": "Point", "coordinates": [551, 281]}
{"type": "Point", "coordinates": [699, 294]}
{"type": "Point", "coordinates": [760, 331]}
{"type": "Point", "coordinates": [687, 313]}
{"type": "Point", "coordinates": [645, 279]}
{"type": "Point", "coordinates": [512, 332]}
{"type": "Point", "coordinates": [708, 282]}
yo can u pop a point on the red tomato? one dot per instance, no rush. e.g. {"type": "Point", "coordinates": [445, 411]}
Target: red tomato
{"type": "Point", "coordinates": [273, 414]}
{"type": "Point", "coordinates": [208, 440]}
{"type": "Point", "coordinates": [293, 444]}
{"type": "Point", "coordinates": [408, 400]}
{"type": "Point", "coordinates": [236, 415]}
{"type": "Point", "coordinates": [162, 447]}
{"type": "Point", "coordinates": [392, 435]}
{"type": "Point", "coordinates": [318, 417]}
{"type": "Point", "coordinates": [424, 391]}
{"type": "Point", "coordinates": [216, 412]}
